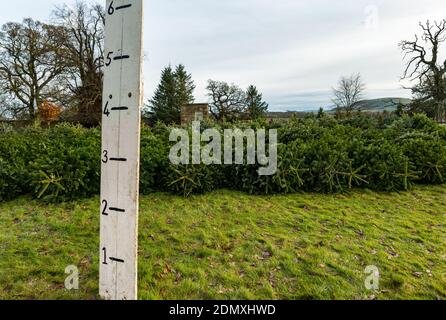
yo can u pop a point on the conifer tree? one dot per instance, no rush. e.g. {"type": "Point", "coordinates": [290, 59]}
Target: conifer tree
{"type": "Point", "coordinates": [174, 91]}
{"type": "Point", "coordinates": [256, 107]}
{"type": "Point", "coordinates": [185, 86]}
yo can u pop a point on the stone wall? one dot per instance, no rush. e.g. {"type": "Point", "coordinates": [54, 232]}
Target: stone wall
{"type": "Point", "coordinates": [194, 112]}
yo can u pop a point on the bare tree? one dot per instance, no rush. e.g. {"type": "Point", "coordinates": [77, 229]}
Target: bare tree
{"type": "Point", "coordinates": [83, 39]}
{"type": "Point", "coordinates": [227, 101]}
{"type": "Point", "coordinates": [426, 66]}
{"type": "Point", "coordinates": [31, 60]}
{"type": "Point", "coordinates": [349, 92]}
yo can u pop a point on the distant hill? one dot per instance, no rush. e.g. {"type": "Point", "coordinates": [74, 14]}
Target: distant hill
{"type": "Point", "coordinates": [373, 105]}
{"type": "Point", "coordinates": [380, 105]}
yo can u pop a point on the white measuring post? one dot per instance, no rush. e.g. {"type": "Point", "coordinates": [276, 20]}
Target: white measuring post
{"type": "Point", "coordinates": [122, 100]}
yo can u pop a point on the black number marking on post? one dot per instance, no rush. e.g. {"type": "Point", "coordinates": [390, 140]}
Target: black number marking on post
{"type": "Point", "coordinates": [105, 207]}
{"type": "Point", "coordinates": [119, 108]}
{"type": "Point", "coordinates": [116, 260]}
{"type": "Point", "coordinates": [108, 60]}
{"type": "Point", "coordinates": [104, 210]}
{"type": "Point", "coordinates": [104, 250]}
{"type": "Point", "coordinates": [105, 156]}
{"type": "Point", "coordinates": [125, 6]}
{"type": "Point", "coordinates": [111, 10]}
{"type": "Point", "coordinates": [106, 111]}
{"type": "Point", "coordinates": [121, 57]}
{"type": "Point", "coordinates": [105, 258]}
{"type": "Point", "coordinates": [106, 159]}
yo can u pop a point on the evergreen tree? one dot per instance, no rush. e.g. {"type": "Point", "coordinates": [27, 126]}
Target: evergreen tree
{"type": "Point", "coordinates": [256, 107]}
{"type": "Point", "coordinates": [163, 106]}
{"type": "Point", "coordinates": [174, 91]}
{"type": "Point", "coordinates": [185, 86]}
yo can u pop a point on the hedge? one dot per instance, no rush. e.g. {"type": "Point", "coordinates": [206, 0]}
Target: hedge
{"type": "Point", "coordinates": [315, 155]}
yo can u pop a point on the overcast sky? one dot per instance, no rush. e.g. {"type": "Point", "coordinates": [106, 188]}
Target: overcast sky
{"type": "Point", "coordinates": [294, 51]}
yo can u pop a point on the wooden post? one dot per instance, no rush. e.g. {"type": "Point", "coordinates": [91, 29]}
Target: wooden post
{"type": "Point", "coordinates": [122, 100]}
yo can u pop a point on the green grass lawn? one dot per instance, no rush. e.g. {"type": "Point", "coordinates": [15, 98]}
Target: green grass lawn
{"type": "Point", "coordinates": [229, 245]}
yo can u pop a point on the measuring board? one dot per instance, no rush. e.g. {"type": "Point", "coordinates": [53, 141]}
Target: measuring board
{"type": "Point", "coordinates": [121, 119]}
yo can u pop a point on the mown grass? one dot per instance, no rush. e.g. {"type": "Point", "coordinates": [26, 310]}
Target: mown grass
{"type": "Point", "coordinates": [228, 245]}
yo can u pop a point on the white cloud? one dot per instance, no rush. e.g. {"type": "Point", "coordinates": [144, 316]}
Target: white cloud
{"type": "Point", "coordinates": [294, 51]}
